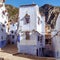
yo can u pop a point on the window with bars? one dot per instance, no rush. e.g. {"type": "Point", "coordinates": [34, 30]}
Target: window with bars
{"type": "Point", "coordinates": [27, 33]}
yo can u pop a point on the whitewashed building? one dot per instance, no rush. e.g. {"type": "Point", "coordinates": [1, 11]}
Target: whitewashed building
{"type": "Point", "coordinates": [3, 24]}
{"type": "Point", "coordinates": [12, 33]}
{"type": "Point", "coordinates": [31, 30]}
{"type": "Point", "coordinates": [56, 38]}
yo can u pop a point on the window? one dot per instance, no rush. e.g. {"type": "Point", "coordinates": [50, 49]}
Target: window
{"type": "Point", "coordinates": [13, 36]}
{"type": "Point", "coordinates": [27, 35]}
{"type": "Point", "coordinates": [3, 25]}
{"type": "Point", "coordinates": [5, 22]}
{"type": "Point", "coordinates": [13, 24]}
{"type": "Point", "coordinates": [10, 20]}
{"type": "Point", "coordinates": [38, 38]}
{"type": "Point", "coordinates": [2, 29]}
{"type": "Point", "coordinates": [3, 12]}
{"type": "Point", "coordinates": [41, 37]}
{"type": "Point", "coordinates": [27, 19]}
{"type": "Point", "coordinates": [12, 31]}
{"type": "Point", "coordinates": [2, 37]}
{"type": "Point", "coordinates": [38, 20]}
{"type": "Point", "coordinates": [46, 41]}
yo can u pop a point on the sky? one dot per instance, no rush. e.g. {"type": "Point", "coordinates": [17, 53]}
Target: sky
{"type": "Point", "coordinates": [17, 3]}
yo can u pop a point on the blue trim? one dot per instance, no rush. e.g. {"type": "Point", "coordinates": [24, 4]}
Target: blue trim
{"type": "Point", "coordinates": [18, 38]}
{"type": "Point", "coordinates": [3, 43]}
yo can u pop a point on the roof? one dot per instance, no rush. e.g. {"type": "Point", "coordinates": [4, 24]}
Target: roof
{"type": "Point", "coordinates": [28, 5]}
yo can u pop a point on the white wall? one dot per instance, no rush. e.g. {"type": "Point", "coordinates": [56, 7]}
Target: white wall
{"type": "Point", "coordinates": [32, 12]}
{"type": "Point", "coordinates": [56, 39]}
{"type": "Point", "coordinates": [58, 23]}
{"type": "Point", "coordinates": [2, 33]}
{"type": "Point", "coordinates": [3, 17]}
{"type": "Point", "coordinates": [13, 27]}
{"type": "Point", "coordinates": [32, 41]}
{"type": "Point", "coordinates": [41, 27]}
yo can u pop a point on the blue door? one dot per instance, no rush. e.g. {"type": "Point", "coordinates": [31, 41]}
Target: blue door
{"type": "Point", "coordinates": [18, 38]}
{"type": "Point", "coordinates": [40, 52]}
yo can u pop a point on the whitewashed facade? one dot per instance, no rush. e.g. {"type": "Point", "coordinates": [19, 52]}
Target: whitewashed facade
{"type": "Point", "coordinates": [13, 33]}
{"type": "Point", "coordinates": [56, 38]}
{"type": "Point", "coordinates": [3, 24]}
{"type": "Point", "coordinates": [31, 30]}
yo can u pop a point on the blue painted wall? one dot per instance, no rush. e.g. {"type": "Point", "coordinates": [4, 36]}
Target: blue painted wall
{"type": "Point", "coordinates": [3, 43]}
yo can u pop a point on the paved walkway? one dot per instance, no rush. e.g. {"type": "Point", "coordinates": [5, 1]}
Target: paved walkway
{"type": "Point", "coordinates": [8, 53]}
